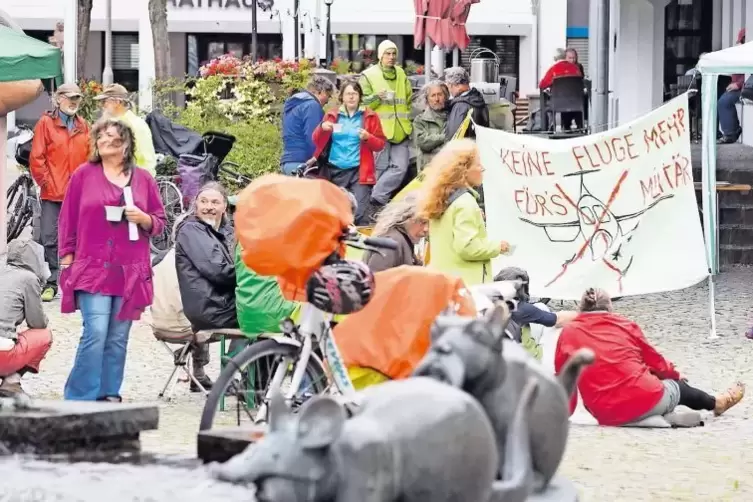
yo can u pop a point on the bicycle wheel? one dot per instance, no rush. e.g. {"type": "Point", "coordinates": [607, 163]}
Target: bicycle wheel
{"type": "Point", "coordinates": [172, 200]}
{"type": "Point", "coordinates": [17, 198]}
{"type": "Point", "coordinates": [260, 360]}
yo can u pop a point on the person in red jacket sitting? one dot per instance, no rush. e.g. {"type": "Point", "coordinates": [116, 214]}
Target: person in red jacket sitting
{"type": "Point", "coordinates": [346, 141]}
{"type": "Point", "coordinates": [561, 68]}
{"type": "Point", "coordinates": [630, 380]}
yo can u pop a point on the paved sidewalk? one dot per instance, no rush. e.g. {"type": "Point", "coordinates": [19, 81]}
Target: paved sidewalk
{"type": "Point", "coordinates": [608, 464]}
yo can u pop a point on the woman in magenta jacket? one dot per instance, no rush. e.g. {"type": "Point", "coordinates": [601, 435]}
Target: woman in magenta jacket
{"type": "Point", "coordinates": [104, 273]}
{"type": "Point", "coordinates": [346, 141]}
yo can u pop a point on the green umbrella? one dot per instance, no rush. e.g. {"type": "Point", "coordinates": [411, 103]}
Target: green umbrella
{"type": "Point", "coordinates": [26, 58]}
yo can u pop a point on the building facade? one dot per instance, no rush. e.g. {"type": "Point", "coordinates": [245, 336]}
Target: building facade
{"type": "Point", "coordinates": [202, 29]}
{"type": "Point", "coordinates": [653, 44]}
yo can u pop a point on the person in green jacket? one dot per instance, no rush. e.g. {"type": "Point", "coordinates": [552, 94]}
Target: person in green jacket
{"type": "Point", "coordinates": [388, 92]}
{"type": "Point", "coordinates": [460, 245]}
{"type": "Point", "coordinates": [430, 128]}
{"type": "Point", "coordinates": [259, 301]}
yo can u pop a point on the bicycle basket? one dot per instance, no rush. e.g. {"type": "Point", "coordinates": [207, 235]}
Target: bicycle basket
{"type": "Point", "coordinates": [289, 226]}
{"type": "Point", "coordinates": [341, 288]}
{"type": "Point", "coordinates": [218, 144]}
{"type": "Point", "coordinates": [23, 153]}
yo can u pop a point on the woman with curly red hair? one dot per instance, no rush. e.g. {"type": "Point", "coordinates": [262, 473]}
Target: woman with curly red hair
{"type": "Point", "coordinates": [460, 245]}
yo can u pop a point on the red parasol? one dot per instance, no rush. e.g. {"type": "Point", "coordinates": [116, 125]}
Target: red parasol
{"type": "Point", "coordinates": [443, 21]}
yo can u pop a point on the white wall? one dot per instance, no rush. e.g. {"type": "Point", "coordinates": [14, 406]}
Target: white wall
{"type": "Point", "coordinates": [747, 112]}
{"type": "Point", "coordinates": [552, 32]}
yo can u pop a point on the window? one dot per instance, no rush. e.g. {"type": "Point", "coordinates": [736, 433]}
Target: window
{"type": "Point", "coordinates": [686, 36]}
{"type": "Point", "coordinates": [125, 60]}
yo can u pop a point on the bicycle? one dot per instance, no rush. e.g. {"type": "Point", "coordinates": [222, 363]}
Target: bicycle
{"type": "Point", "coordinates": [22, 203]}
{"type": "Point", "coordinates": [172, 201]}
{"type": "Point", "coordinates": [296, 350]}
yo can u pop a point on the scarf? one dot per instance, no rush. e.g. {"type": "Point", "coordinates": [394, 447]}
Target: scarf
{"type": "Point", "coordinates": [68, 120]}
{"type": "Point", "coordinates": [389, 73]}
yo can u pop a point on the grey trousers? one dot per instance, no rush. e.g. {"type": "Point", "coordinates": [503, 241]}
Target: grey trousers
{"type": "Point", "coordinates": [667, 403]}
{"type": "Point", "coordinates": [391, 169]}
{"type": "Point", "coordinates": [348, 179]}
{"type": "Point", "coordinates": [48, 236]}
{"type": "Point", "coordinates": [200, 354]}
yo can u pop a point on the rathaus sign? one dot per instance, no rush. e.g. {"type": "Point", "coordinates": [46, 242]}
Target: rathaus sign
{"type": "Point", "coordinates": [223, 4]}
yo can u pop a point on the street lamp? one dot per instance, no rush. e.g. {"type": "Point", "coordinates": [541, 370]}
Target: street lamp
{"type": "Point", "coordinates": [254, 31]}
{"type": "Point", "coordinates": [328, 37]}
{"type": "Point", "coordinates": [107, 76]}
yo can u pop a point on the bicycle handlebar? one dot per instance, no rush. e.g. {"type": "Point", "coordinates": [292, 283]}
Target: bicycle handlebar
{"type": "Point", "coordinates": [380, 242]}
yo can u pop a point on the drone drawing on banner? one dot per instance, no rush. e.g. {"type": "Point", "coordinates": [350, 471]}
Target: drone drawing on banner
{"type": "Point", "coordinates": [599, 232]}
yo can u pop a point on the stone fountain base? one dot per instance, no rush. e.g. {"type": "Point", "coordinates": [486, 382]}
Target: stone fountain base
{"type": "Point", "coordinates": [220, 445]}
{"type": "Point", "coordinates": [67, 427]}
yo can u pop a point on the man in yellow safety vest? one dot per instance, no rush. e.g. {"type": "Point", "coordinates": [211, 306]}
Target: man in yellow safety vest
{"type": "Point", "coordinates": [388, 92]}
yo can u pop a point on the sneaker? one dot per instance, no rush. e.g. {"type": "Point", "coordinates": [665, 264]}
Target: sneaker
{"type": "Point", "coordinates": [10, 389]}
{"type": "Point", "coordinates": [729, 398]}
{"type": "Point", "coordinates": [205, 382]}
{"type": "Point", "coordinates": [48, 294]}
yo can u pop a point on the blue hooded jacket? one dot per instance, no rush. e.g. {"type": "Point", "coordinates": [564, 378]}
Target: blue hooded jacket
{"type": "Point", "coordinates": [300, 116]}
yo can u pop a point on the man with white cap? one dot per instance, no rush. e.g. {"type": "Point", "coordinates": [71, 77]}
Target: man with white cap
{"type": "Point", "coordinates": [117, 104]}
{"type": "Point", "coordinates": [388, 92]}
{"type": "Point", "coordinates": [60, 145]}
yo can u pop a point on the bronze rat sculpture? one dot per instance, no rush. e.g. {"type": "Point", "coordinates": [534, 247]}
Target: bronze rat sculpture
{"type": "Point", "coordinates": [413, 440]}
{"type": "Point", "coordinates": [474, 354]}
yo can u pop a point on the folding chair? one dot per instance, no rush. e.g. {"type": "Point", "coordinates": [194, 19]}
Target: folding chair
{"type": "Point", "coordinates": [181, 358]}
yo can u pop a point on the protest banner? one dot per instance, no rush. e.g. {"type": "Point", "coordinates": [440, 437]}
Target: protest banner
{"type": "Point", "coordinates": [614, 210]}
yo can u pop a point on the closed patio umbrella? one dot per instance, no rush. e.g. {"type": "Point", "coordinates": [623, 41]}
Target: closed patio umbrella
{"type": "Point", "coordinates": [443, 21]}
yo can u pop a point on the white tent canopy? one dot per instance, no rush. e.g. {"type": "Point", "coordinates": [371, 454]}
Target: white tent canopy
{"type": "Point", "coordinates": [736, 59]}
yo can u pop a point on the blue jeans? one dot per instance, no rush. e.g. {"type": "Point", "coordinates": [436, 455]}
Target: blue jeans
{"type": "Point", "coordinates": [290, 167]}
{"type": "Point", "coordinates": [727, 111]}
{"type": "Point", "coordinates": [100, 359]}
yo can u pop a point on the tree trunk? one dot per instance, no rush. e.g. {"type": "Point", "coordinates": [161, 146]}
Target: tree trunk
{"type": "Point", "coordinates": [158, 19]}
{"type": "Point", "coordinates": [84, 22]}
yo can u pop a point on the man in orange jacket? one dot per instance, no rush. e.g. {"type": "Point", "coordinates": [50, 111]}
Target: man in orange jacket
{"type": "Point", "coordinates": [60, 145]}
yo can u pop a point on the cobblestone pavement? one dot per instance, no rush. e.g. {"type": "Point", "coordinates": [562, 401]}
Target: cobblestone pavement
{"type": "Point", "coordinates": [608, 464]}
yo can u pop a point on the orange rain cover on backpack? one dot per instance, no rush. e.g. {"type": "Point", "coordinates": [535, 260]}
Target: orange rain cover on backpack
{"type": "Point", "coordinates": [288, 226]}
{"type": "Point", "coordinates": [392, 333]}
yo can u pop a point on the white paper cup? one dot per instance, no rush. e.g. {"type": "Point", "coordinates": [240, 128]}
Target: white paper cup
{"type": "Point", "coordinates": [390, 95]}
{"type": "Point", "coordinates": [114, 213]}
{"type": "Point", "coordinates": [337, 128]}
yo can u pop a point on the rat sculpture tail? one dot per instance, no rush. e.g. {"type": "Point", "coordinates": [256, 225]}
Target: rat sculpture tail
{"type": "Point", "coordinates": [568, 377]}
{"type": "Point", "coordinates": [517, 473]}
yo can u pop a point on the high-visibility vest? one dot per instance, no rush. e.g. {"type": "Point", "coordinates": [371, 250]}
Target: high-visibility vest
{"type": "Point", "coordinates": [391, 115]}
